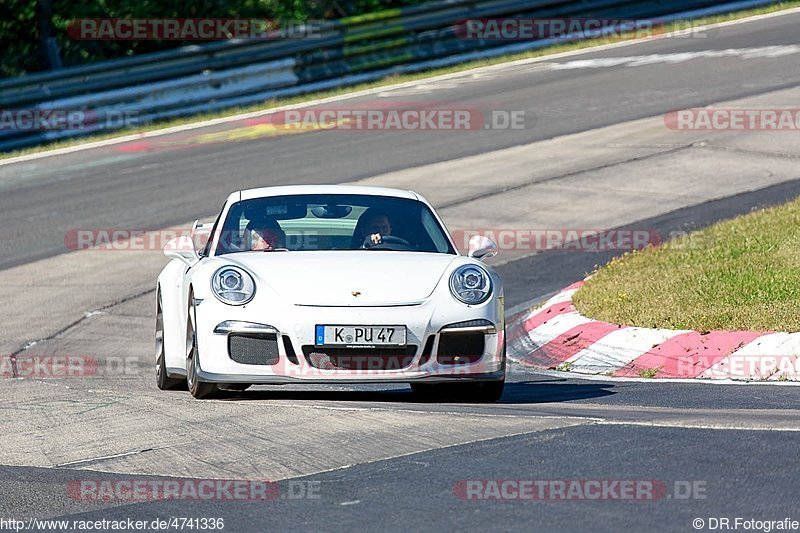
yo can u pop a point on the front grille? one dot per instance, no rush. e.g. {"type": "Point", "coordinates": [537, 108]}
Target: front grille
{"type": "Point", "coordinates": [359, 358]}
{"type": "Point", "coordinates": [253, 348]}
{"type": "Point", "coordinates": [460, 348]}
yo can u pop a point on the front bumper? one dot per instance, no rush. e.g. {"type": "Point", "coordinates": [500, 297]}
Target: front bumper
{"type": "Point", "coordinates": [293, 328]}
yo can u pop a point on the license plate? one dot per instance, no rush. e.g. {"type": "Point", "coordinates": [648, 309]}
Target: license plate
{"type": "Point", "coordinates": [360, 336]}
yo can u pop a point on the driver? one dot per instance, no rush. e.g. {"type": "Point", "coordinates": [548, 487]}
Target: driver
{"type": "Point", "coordinates": [373, 224]}
{"type": "Point", "coordinates": [266, 235]}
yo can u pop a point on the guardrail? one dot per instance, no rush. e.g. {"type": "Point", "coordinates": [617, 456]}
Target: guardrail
{"type": "Point", "coordinates": [348, 51]}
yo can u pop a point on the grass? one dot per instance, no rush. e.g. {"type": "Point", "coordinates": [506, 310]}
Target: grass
{"type": "Point", "coordinates": [566, 366]}
{"type": "Point", "coordinates": [649, 373]}
{"type": "Point", "coordinates": [740, 274]}
{"type": "Point", "coordinates": [565, 47]}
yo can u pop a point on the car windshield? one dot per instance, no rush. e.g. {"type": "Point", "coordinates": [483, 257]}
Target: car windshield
{"type": "Point", "coordinates": [331, 222]}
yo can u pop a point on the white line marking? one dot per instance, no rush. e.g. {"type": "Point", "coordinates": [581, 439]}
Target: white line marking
{"type": "Point", "coordinates": [618, 348]}
{"type": "Point", "coordinates": [666, 381]}
{"type": "Point", "coordinates": [101, 458]}
{"type": "Point", "coordinates": [561, 297]}
{"type": "Point", "coordinates": [555, 327]}
{"type": "Point", "coordinates": [690, 425]}
{"type": "Point", "coordinates": [529, 305]}
{"type": "Point", "coordinates": [654, 59]}
{"type": "Point", "coordinates": [449, 413]}
{"type": "Point", "coordinates": [762, 358]}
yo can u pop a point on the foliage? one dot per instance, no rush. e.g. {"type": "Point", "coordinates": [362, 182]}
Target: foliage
{"type": "Point", "coordinates": [19, 32]}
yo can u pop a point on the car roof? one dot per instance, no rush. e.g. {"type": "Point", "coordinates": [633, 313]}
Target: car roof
{"type": "Point", "coordinates": [285, 190]}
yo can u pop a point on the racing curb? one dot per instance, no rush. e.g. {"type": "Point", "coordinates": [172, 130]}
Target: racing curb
{"type": "Point", "coordinates": [556, 336]}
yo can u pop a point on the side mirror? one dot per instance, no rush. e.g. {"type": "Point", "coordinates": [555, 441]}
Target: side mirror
{"type": "Point", "coordinates": [201, 233]}
{"type": "Point", "coordinates": [182, 248]}
{"type": "Point", "coordinates": [481, 247]}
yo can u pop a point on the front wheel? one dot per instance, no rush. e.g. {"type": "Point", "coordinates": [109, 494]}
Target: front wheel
{"type": "Point", "coordinates": [466, 392]}
{"type": "Point", "coordinates": [198, 389]}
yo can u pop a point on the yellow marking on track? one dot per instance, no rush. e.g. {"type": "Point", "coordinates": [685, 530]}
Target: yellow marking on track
{"type": "Point", "coordinates": [267, 130]}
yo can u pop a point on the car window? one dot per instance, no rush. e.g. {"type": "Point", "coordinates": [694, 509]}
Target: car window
{"type": "Point", "coordinates": [207, 248]}
{"type": "Point", "coordinates": [332, 222]}
{"type": "Point", "coordinates": [431, 224]}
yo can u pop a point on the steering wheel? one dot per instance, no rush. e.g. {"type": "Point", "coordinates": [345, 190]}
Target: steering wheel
{"type": "Point", "coordinates": [388, 242]}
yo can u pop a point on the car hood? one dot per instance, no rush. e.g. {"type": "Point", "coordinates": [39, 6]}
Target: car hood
{"type": "Point", "coordinates": [347, 278]}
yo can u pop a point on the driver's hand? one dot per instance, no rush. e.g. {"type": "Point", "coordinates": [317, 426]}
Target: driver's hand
{"type": "Point", "coordinates": [372, 240]}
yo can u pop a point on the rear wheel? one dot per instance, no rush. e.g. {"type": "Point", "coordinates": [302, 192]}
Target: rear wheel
{"type": "Point", "coordinates": [198, 389]}
{"type": "Point", "coordinates": [163, 381]}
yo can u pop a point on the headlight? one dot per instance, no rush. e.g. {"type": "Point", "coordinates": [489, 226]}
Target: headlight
{"type": "Point", "coordinates": [233, 286]}
{"type": "Point", "coordinates": [471, 284]}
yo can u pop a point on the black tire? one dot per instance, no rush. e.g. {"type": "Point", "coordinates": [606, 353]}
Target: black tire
{"type": "Point", "coordinates": [477, 392]}
{"type": "Point", "coordinates": [469, 392]}
{"type": "Point", "coordinates": [480, 392]}
{"type": "Point", "coordinates": [427, 392]}
{"type": "Point", "coordinates": [163, 380]}
{"type": "Point", "coordinates": [198, 389]}
{"type": "Point", "coordinates": [238, 387]}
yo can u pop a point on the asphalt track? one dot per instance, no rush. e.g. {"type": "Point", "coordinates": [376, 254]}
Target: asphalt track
{"type": "Point", "coordinates": [381, 460]}
{"type": "Point", "coordinates": [173, 183]}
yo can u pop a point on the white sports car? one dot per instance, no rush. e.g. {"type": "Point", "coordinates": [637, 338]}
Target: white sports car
{"type": "Point", "coordinates": [330, 284]}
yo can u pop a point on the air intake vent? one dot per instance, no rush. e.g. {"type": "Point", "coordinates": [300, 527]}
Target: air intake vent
{"type": "Point", "coordinates": [253, 348]}
{"type": "Point", "coordinates": [460, 348]}
{"type": "Point", "coordinates": [289, 349]}
{"type": "Point", "coordinates": [327, 358]}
